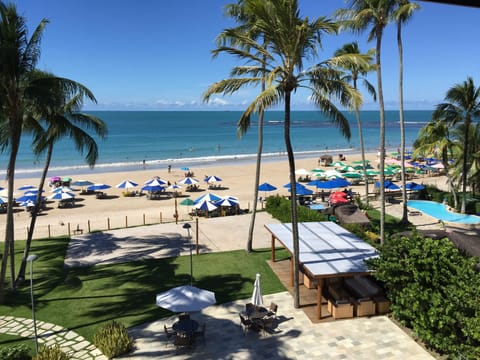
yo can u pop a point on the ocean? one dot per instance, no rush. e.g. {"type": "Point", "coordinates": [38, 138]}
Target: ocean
{"type": "Point", "coordinates": [202, 138]}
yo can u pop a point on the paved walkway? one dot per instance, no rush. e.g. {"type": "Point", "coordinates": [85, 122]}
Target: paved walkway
{"type": "Point", "coordinates": [295, 337]}
{"type": "Point", "coordinates": [50, 334]}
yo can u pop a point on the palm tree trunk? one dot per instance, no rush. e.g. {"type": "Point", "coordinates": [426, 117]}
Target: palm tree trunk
{"type": "Point", "coordinates": [362, 145]}
{"type": "Point", "coordinates": [257, 181]}
{"type": "Point", "coordinates": [257, 168]}
{"type": "Point", "coordinates": [402, 124]}
{"type": "Point", "coordinates": [382, 136]}
{"type": "Point", "coordinates": [293, 197]}
{"type": "Point", "coordinates": [21, 272]}
{"type": "Point", "coordinates": [464, 165]}
{"type": "Point", "coordinates": [9, 229]}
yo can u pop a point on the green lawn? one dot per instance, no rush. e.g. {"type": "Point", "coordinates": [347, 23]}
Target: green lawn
{"type": "Point", "coordinates": [82, 299]}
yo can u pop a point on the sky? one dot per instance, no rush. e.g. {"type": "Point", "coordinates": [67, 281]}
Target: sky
{"type": "Point", "coordinates": [156, 54]}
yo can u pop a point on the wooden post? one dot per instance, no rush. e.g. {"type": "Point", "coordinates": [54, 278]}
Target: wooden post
{"type": "Point", "coordinates": [319, 298]}
{"type": "Point", "coordinates": [108, 223]}
{"type": "Point", "coordinates": [143, 219]}
{"type": "Point", "coordinates": [49, 233]}
{"type": "Point", "coordinates": [196, 235]}
{"type": "Point", "coordinates": [273, 248]}
{"type": "Point", "coordinates": [291, 270]}
{"type": "Point", "coordinates": [176, 211]}
{"type": "Point", "coordinates": [88, 224]}
{"type": "Point", "coordinates": [126, 221]}
{"type": "Point", "coordinates": [68, 229]}
{"type": "Point", "coordinates": [160, 217]}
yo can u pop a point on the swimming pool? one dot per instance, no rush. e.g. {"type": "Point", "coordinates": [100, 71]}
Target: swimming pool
{"type": "Point", "coordinates": [440, 212]}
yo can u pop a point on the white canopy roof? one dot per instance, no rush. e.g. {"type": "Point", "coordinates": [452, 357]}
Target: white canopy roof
{"type": "Point", "coordinates": [326, 249]}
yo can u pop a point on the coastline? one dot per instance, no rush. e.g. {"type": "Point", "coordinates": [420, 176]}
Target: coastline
{"type": "Point", "coordinates": [117, 211]}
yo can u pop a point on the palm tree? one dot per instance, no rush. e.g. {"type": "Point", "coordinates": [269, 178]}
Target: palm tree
{"type": "Point", "coordinates": [462, 106]}
{"type": "Point", "coordinates": [356, 69]}
{"type": "Point", "coordinates": [240, 12]}
{"type": "Point", "coordinates": [289, 39]}
{"type": "Point", "coordinates": [435, 139]}
{"type": "Point", "coordinates": [376, 14]}
{"type": "Point", "coordinates": [18, 56]}
{"type": "Point", "coordinates": [61, 118]}
{"type": "Point", "coordinates": [401, 15]}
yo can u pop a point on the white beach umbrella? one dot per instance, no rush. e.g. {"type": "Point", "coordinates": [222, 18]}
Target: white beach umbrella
{"type": "Point", "coordinates": [155, 182]}
{"type": "Point", "coordinates": [302, 172]}
{"type": "Point", "coordinates": [205, 206]}
{"type": "Point", "coordinates": [212, 179]}
{"type": "Point", "coordinates": [61, 196]}
{"type": "Point", "coordinates": [127, 184]}
{"type": "Point", "coordinates": [208, 197]}
{"type": "Point", "coordinates": [188, 181]}
{"type": "Point", "coordinates": [257, 298]}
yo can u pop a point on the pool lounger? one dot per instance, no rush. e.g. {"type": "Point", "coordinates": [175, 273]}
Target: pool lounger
{"type": "Point", "coordinates": [414, 213]}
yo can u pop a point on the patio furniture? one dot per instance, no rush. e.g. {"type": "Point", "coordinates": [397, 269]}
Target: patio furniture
{"type": "Point", "coordinates": [339, 304]}
{"type": "Point", "coordinates": [169, 335]}
{"type": "Point", "coordinates": [245, 323]}
{"type": "Point", "coordinates": [183, 341]}
{"type": "Point", "coordinates": [184, 316]}
{"type": "Point", "coordinates": [266, 324]}
{"type": "Point", "coordinates": [272, 310]}
{"type": "Point", "coordinates": [185, 326]}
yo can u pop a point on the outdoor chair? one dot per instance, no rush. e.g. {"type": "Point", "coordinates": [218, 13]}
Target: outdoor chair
{"type": "Point", "coordinates": [266, 324]}
{"type": "Point", "coordinates": [245, 323]}
{"type": "Point", "coordinates": [249, 308]}
{"type": "Point", "coordinates": [169, 334]}
{"type": "Point", "coordinates": [272, 310]}
{"type": "Point", "coordinates": [182, 341]}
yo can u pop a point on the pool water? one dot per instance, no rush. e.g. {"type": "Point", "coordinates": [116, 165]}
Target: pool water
{"type": "Point", "coordinates": [440, 212]}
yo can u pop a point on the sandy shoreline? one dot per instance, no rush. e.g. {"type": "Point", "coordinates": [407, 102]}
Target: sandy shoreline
{"type": "Point", "coordinates": [119, 211]}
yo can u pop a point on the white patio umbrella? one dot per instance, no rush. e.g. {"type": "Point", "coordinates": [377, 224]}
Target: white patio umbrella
{"type": "Point", "coordinates": [60, 195]}
{"type": "Point", "coordinates": [208, 197]}
{"type": "Point", "coordinates": [205, 205]}
{"type": "Point", "coordinates": [257, 298]}
{"type": "Point", "coordinates": [185, 298]}
{"type": "Point", "coordinates": [155, 182]}
{"type": "Point", "coordinates": [302, 172]}
{"type": "Point", "coordinates": [212, 179]}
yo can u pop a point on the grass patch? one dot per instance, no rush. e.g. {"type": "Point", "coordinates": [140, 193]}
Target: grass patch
{"type": "Point", "coordinates": [83, 299]}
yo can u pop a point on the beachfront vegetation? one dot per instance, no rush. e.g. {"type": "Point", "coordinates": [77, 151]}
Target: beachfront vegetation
{"type": "Point", "coordinates": [27, 97]}
{"type": "Point", "coordinates": [287, 40]}
{"type": "Point", "coordinates": [434, 291]}
{"type": "Point", "coordinates": [113, 340]}
{"type": "Point", "coordinates": [86, 298]}
{"type": "Point", "coordinates": [461, 108]}
{"type": "Point", "coordinates": [356, 71]}
{"type": "Point", "coordinates": [358, 17]}
{"type": "Point", "coordinates": [55, 118]}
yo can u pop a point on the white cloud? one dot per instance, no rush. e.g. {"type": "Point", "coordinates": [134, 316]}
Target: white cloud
{"type": "Point", "coordinates": [219, 102]}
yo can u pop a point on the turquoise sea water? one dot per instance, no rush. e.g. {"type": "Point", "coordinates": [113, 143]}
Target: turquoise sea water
{"type": "Point", "coordinates": [210, 137]}
{"type": "Point", "coordinates": [440, 212]}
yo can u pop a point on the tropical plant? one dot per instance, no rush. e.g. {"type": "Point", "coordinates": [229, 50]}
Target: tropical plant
{"type": "Point", "coordinates": [402, 14]}
{"type": "Point", "coordinates": [462, 106]}
{"type": "Point", "coordinates": [58, 117]}
{"type": "Point", "coordinates": [289, 40]}
{"type": "Point", "coordinates": [358, 16]}
{"type": "Point", "coordinates": [435, 139]}
{"type": "Point", "coordinates": [113, 340]}
{"type": "Point", "coordinates": [357, 69]}
{"type": "Point", "coordinates": [242, 14]}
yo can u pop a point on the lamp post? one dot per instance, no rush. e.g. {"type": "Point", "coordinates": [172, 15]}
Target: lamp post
{"type": "Point", "coordinates": [31, 258]}
{"type": "Point", "coordinates": [188, 226]}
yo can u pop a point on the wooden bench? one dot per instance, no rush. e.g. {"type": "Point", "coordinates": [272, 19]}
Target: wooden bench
{"type": "Point", "coordinates": [365, 288]}
{"type": "Point", "coordinates": [363, 304]}
{"type": "Point", "coordinates": [339, 304]}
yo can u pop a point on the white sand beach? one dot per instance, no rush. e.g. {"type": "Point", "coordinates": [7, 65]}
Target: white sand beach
{"type": "Point", "coordinates": [117, 211]}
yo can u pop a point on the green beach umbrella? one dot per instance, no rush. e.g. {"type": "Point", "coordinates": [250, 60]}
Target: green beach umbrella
{"type": "Point", "coordinates": [352, 175]}
{"type": "Point", "coordinates": [187, 202]}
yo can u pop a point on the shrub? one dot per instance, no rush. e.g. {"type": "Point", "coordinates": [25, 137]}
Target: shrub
{"type": "Point", "coordinates": [280, 209]}
{"type": "Point", "coordinates": [434, 290]}
{"type": "Point", "coordinates": [17, 352]}
{"type": "Point", "coordinates": [113, 340]}
{"type": "Point", "coordinates": [51, 353]}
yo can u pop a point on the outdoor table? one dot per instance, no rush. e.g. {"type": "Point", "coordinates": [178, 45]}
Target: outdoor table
{"type": "Point", "coordinates": [257, 313]}
{"type": "Point", "coordinates": [188, 326]}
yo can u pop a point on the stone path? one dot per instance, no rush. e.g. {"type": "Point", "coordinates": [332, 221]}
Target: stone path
{"type": "Point", "coordinates": [50, 334]}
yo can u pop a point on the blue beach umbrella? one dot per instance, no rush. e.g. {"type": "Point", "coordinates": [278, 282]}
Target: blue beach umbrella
{"type": "Point", "coordinates": [127, 184]}
{"type": "Point", "coordinates": [205, 205]}
{"type": "Point", "coordinates": [388, 185]}
{"type": "Point", "coordinates": [185, 168]}
{"type": "Point", "coordinates": [334, 184]}
{"type": "Point", "coordinates": [151, 188]}
{"type": "Point", "coordinates": [302, 190]}
{"type": "Point", "coordinates": [62, 196]}
{"type": "Point", "coordinates": [288, 185]}
{"type": "Point", "coordinates": [2, 200]}
{"type": "Point", "coordinates": [24, 198]}
{"type": "Point", "coordinates": [82, 183]}
{"type": "Point", "coordinates": [27, 187]}
{"type": "Point", "coordinates": [96, 187]}
{"type": "Point", "coordinates": [212, 178]}
{"type": "Point", "coordinates": [414, 186]}
{"type": "Point", "coordinates": [266, 187]}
